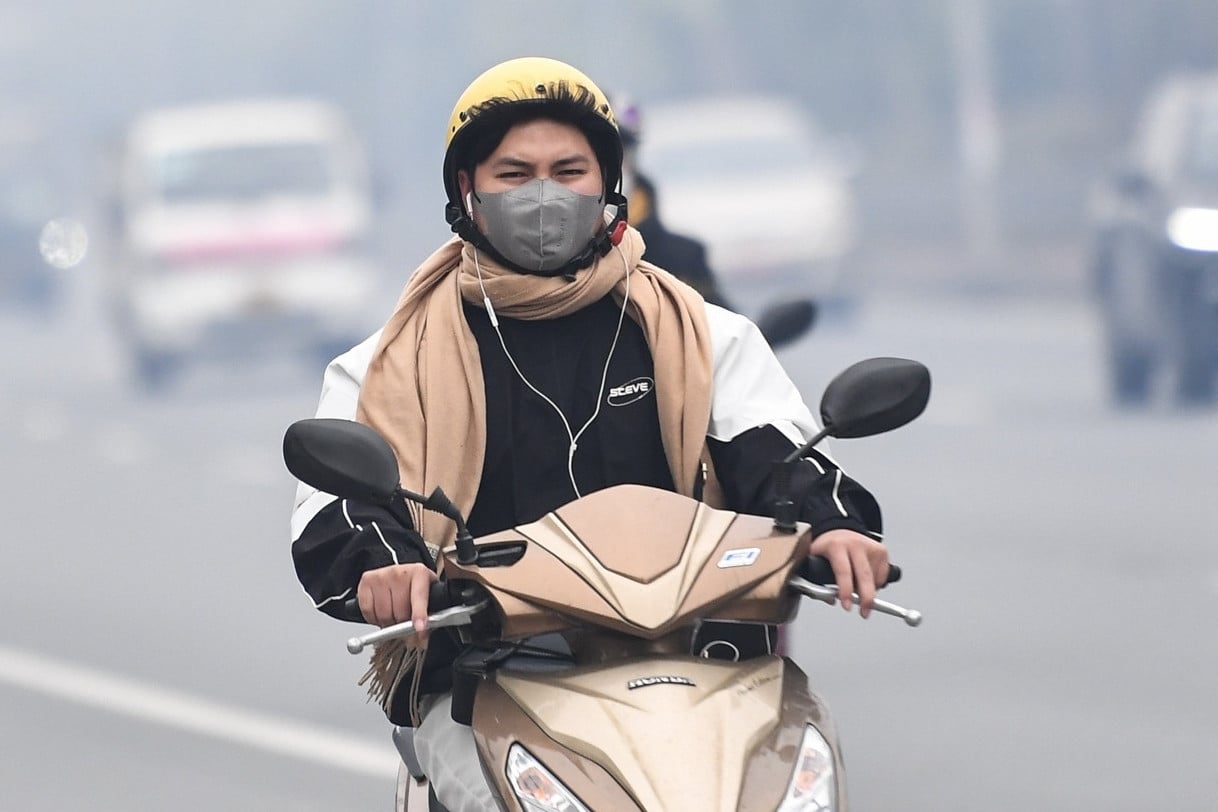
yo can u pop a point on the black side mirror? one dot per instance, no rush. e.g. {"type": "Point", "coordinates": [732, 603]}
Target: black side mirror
{"type": "Point", "coordinates": [352, 461]}
{"type": "Point", "coordinates": [869, 397]}
{"type": "Point", "coordinates": [874, 396]}
{"type": "Point", "coordinates": [342, 457]}
{"type": "Point", "coordinates": [783, 323]}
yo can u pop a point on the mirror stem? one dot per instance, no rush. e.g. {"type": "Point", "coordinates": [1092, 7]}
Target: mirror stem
{"type": "Point", "coordinates": [803, 450]}
{"type": "Point", "coordinates": [411, 495]}
{"type": "Point", "coordinates": [440, 503]}
{"type": "Point", "coordinates": [467, 553]}
{"type": "Point", "coordinates": [785, 511]}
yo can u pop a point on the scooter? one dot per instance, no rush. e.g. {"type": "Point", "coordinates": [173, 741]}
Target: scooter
{"type": "Point", "coordinates": [665, 694]}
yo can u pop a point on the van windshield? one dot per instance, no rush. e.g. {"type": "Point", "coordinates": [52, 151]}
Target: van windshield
{"type": "Point", "coordinates": [247, 171]}
{"type": "Point", "coordinates": [1202, 155]}
{"type": "Point", "coordinates": [730, 157]}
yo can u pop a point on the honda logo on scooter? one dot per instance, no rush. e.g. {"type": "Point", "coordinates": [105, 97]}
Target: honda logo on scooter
{"type": "Point", "coordinates": [643, 682]}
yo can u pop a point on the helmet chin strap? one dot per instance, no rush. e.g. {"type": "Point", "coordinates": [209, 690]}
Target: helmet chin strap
{"type": "Point", "coordinates": [463, 225]}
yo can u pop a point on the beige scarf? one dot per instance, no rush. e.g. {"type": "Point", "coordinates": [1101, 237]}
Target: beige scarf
{"type": "Point", "coordinates": [424, 389]}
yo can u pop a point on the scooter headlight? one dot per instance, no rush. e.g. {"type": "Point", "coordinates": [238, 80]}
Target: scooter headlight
{"type": "Point", "coordinates": [812, 782]}
{"type": "Point", "coordinates": [535, 787]}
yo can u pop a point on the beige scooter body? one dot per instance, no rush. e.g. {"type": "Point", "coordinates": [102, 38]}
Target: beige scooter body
{"type": "Point", "coordinates": [642, 711]}
{"type": "Point", "coordinates": [723, 741]}
{"type": "Point", "coordinates": [639, 721]}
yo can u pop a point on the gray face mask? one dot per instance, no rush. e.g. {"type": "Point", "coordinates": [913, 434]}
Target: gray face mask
{"type": "Point", "coordinates": [540, 225]}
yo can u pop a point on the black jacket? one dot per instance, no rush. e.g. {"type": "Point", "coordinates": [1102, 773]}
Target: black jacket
{"type": "Point", "coordinates": [756, 417]}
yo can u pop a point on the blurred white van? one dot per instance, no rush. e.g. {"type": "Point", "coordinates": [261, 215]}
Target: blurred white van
{"type": "Point", "coordinates": [760, 184]}
{"type": "Point", "coordinates": [243, 231]}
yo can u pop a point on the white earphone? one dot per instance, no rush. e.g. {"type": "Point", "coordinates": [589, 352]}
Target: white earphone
{"type": "Point", "coordinates": [573, 437]}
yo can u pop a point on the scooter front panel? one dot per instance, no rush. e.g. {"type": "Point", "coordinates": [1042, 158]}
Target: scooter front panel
{"type": "Point", "coordinates": [499, 722]}
{"type": "Point", "coordinates": [637, 573]}
{"type": "Point", "coordinates": [631, 718]}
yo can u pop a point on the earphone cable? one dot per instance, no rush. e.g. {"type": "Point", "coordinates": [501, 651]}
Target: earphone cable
{"type": "Point", "coordinates": [572, 437]}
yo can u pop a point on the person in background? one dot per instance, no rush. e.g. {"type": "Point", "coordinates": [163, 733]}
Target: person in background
{"type": "Point", "coordinates": [679, 254]}
{"type": "Point", "coordinates": [493, 377]}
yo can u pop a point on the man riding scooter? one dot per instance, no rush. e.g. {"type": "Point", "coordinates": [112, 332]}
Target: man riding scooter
{"type": "Point", "coordinates": [535, 358]}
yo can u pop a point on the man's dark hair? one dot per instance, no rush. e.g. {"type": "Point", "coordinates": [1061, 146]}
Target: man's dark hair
{"type": "Point", "coordinates": [575, 106]}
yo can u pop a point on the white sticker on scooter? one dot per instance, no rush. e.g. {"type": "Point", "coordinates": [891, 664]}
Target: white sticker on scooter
{"type": "Point", "coordinates": [745, 557]}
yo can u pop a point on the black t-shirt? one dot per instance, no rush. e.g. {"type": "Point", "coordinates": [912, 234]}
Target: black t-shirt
{"type": "Point", "coordinates": [525, 473]}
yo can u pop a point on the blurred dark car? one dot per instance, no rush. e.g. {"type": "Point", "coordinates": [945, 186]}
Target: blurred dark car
{"type": "Point", "coordinates": [27, 282]}
{"type": "Point", "coordinates": [1155, 257]}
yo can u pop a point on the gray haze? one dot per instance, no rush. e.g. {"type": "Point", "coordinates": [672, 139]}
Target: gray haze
{"type": "Point", "coordinates": [1062, 550]}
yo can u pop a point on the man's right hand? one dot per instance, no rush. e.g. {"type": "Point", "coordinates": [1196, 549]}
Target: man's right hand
{"type": "Point", "coordinates": [395, 594]}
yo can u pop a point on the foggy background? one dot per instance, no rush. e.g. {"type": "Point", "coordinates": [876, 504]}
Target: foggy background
{"type": "Point", "coordinates": [155, 650]}
{"type": "Point", "coordinates": [1029, 99]}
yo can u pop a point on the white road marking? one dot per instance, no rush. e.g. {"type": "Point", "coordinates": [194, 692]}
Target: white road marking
{"type": "Point", "coordinates": [152, 703]}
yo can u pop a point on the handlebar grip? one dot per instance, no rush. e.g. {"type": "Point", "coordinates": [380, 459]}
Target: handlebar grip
{"type": "Point", "coordinates": [818, 570]}
{"type": "Point", "coordinates": [440, 596]}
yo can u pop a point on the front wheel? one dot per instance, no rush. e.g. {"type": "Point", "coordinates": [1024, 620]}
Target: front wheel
{"type": "Point", "coordinates": [412, 795]}
{"type": "Point", "coordinates": [401, 801]}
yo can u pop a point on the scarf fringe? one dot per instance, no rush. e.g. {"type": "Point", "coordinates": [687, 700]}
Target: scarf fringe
{"type": "Point", "coordinates": [391, 661]}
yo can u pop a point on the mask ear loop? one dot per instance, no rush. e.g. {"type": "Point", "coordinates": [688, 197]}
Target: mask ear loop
{"type": "Point", "coordinates": [573, 437]}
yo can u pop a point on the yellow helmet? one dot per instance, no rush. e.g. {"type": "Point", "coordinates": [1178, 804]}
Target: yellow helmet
{"type": "Point", "coordinates": [523, 88]}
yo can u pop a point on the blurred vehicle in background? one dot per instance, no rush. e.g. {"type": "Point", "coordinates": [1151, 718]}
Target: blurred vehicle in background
{"type": "Point", "coordinates": [242, 231]}
{"type": "Point", "coordinates": [28, 198]}
{"type": "Point", "coordinates": [754, 178]}
{"type": "Point", "coordinates": [1155, 249]}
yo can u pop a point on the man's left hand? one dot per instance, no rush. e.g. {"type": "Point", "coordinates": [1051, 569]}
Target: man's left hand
{"type": "Point", "coordinates": [860, 565]}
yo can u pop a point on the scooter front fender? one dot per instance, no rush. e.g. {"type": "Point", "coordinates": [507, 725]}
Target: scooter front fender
{"type": "Point", "coordinates": [656, 732]}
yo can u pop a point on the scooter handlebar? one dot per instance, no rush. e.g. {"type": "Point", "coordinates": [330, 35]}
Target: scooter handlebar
{"type": "Point", "coordinates": [814, 579]}
{"type": "Point", "coordinates": [439, 597]}
{"type": "Point", "coordinates": [818, 570]}
{"type": "Point", "coordinates": [448, 608]}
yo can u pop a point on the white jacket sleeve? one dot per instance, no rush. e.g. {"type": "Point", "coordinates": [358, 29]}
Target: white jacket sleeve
{"type": "Point", "coordinates": [339, 395]}
{"type": "Point", "coordinates": [750, 386]}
